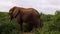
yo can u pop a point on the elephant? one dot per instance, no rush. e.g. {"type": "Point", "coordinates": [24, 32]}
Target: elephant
{"type": "Point", "coordinates": [25, 15]}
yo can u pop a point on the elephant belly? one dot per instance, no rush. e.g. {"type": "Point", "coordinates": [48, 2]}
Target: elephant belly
{"type": "Point", "coordinates": [27, 17]}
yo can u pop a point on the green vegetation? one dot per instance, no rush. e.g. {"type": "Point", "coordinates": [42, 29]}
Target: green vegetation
{"type": "Point", "coordinates": [51, 24]}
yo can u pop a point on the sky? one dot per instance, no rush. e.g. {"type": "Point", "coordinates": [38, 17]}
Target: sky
{"type": "Point", "coordinates": [44, 6]}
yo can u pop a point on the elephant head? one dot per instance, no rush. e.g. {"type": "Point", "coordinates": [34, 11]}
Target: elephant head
{"type": "Point", "coordinates": [12, 13]}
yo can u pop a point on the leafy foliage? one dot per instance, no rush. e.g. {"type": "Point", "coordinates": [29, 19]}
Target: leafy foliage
{"type": "Point", "coordinates": [51, 24]}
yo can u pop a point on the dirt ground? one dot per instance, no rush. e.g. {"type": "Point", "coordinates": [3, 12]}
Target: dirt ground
{"type": "Point", "coordinates": [28, 33]}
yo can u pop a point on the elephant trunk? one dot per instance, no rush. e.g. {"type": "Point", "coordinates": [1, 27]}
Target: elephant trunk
{"type": "Point", "coordinates": [10, 18]}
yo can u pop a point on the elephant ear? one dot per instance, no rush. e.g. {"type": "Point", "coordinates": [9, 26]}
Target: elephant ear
{"type": "Point", "coordinates": [15, 13]}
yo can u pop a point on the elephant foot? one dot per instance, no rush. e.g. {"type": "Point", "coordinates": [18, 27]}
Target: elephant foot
{"type": "Point", "coordinates": [33, 30]}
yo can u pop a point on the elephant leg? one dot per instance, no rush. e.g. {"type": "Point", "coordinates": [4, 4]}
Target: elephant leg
{"type": "Point", "coordinates": [38, 25]}
{"type": "Point", "coordinates": [20, 22]}
{"type": "Point", "coordinates": [21, 25]}
{"type": "Point", "coordinates": [32, 26]}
